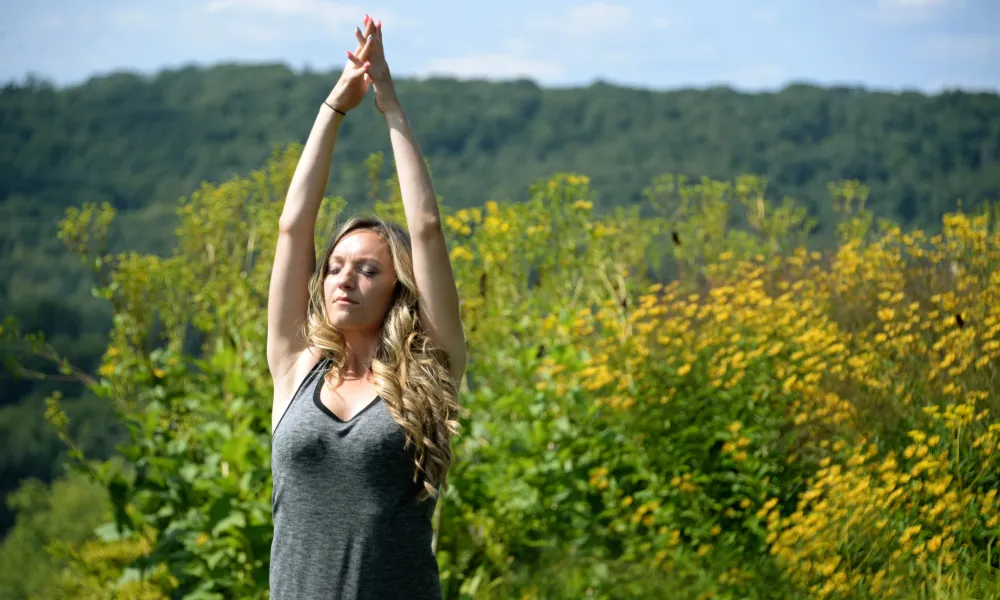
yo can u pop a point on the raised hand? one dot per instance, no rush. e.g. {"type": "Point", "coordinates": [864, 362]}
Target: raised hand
{"type": "Point", "coordinates": [354, 82]}
{"type": "Point", "coordinates": [378, 73]}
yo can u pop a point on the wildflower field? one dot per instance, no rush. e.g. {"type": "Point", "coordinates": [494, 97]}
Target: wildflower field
{"type": "Point", "coordinates": [660, 403]}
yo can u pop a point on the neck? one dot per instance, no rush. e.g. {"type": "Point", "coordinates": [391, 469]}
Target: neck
{"type": "Point", "coordinates": [359, 349]}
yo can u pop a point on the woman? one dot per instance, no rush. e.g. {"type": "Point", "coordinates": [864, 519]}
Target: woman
{"type": "Point", "coordinates": [365, 354]}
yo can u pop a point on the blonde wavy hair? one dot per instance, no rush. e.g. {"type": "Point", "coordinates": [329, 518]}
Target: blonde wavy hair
{"type": "Point", "coordinates": [411, 374]}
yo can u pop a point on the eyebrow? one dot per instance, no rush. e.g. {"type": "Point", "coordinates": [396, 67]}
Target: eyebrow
{"type": "Point", "coordinates": [363, 260]}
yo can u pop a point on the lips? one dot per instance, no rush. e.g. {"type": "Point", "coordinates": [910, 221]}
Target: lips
{"type": "Point", "coordinates": [343, 300]}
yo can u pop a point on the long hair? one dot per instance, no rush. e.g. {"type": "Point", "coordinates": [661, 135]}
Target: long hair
{"type": "Point", "coordinates": [411, 374]}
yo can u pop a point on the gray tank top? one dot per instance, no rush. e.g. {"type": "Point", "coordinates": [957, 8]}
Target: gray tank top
{"type": "Point", "coordinates": [347, 522]}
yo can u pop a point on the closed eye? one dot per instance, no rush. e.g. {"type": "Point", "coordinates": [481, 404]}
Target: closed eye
{"type": "Point", "coordinates": [366, 272]}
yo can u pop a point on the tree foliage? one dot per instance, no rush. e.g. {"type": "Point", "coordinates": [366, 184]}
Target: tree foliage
{"type": "Point", "coordinates": [48, 517]}
{"type": "Point", "coordinates": [773, 421]}
{"type": "Point", "coordinates": [138, 143]}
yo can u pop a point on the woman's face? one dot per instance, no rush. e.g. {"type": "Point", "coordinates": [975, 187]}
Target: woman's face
{"type": "Point", "coordinates": [359, 282]}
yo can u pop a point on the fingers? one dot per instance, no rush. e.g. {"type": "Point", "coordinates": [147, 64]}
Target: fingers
{"type": "Point", "coordinates": [363, 36]}
{"type": "Point", "coordinates": [367, 40]}
{"type": "Point", "coordinates": [361, 66]}
{"type": "Point", "coordinates": [366, 49]}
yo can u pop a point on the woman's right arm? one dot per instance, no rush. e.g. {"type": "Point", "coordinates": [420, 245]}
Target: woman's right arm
{"type": "Point", "coordinates": [294, 255]}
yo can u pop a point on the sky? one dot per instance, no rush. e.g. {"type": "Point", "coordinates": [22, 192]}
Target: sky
{"type": "Point", "coordinates": [752, 45]}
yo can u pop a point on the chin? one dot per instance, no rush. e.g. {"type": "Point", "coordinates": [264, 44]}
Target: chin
{"type": "Point", "coordinates": [344, 322]}
{"type": "Point", "coordinates": [341, 321]}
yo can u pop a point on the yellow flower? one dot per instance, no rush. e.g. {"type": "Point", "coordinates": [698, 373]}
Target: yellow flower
{"type": "Point", "coordinates": [684, 370]}
{"type": "Point", "coordinates": [461, 253]}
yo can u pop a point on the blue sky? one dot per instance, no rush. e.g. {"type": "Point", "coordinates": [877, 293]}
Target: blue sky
{"type": "Point", "coordinates": [927, 45]}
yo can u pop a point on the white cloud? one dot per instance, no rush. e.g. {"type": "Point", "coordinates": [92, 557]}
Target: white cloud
{"type": "Point", "coordinates": [255, 33]}
{"type": "Point", "coordinates": [131, 19]}
{"type": "Point", "coordinates": [592, 20]}
{"type": "Point", "coordinates": [595, 18]}
{"type": "Point", "coordinates": [208, 35]}
{"type": "Point", "coordinates": [50, 22]}
{"type": "Point", "coordinates": [910, 4]}
{"type": "Point", "coordinates": [967, 47]}
{"type": "Point", "coordinates": [331, 14]}
{"type": "Point", "coordinates": [902, 11]}
{"type": "Point", "coordinates": [493, 66]}
{"type": "Point", "coordinates": [292, 7]}
{"type": "Point", "coordinates": [757, 77]}
{"type": "Point", "coordinates": [695, 50]}
{"type": "Point", "coordinates": [517, 45]}
{"type": "Point", "coordinates": [766, 15]}
{"type": "Point", "coordinates": [660, 23]}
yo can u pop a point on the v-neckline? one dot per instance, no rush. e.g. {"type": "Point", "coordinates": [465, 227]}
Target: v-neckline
{"type": "Point", "coordinates": [318, 401]}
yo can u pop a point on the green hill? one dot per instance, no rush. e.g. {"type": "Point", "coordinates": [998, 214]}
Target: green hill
{"type": "Point", "coordinates": [143, 142]}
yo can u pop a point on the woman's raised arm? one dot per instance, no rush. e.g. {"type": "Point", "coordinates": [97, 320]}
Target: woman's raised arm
{"type": "Point", "coordinates": [294, 255]}
{"type": "Point", "coordinates": [439, 305]}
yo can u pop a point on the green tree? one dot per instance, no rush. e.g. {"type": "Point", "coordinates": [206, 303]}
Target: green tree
{"type": "Point", "coordinates": [65, 512]}
{"type": "Point", "coordinates": [138, 143]}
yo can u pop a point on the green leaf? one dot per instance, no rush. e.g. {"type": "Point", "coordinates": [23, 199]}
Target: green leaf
{"type": "Point", "coordinates": [235, 520]}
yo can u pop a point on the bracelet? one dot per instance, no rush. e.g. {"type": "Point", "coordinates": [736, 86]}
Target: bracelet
{"type": "Point", "coordinates": [336, 110]}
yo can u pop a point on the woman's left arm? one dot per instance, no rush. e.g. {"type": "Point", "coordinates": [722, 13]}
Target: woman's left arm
{"type": "Point", "coordinates": [439, 307]}
{"type": "Point", "coordinates": [439, 304]}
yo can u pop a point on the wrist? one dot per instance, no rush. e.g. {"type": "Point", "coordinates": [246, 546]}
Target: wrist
{"type": "Point", "coordinates": [393, 112]}
{"type": "Point", "coordinates": [332, 105]}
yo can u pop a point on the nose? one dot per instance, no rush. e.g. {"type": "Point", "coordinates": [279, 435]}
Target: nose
{"type": "Point", "coordinates": [346, 279]}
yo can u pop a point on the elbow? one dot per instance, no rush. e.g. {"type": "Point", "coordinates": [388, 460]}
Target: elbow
{"type": "Point", "coordinates": [291, 225]}
{"type": "Point", "coordinates": [427, 227]}
{"type": "Point", "coordinates": [458, 363]}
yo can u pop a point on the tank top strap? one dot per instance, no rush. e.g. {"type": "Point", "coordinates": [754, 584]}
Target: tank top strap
{"type": "Point", "coordinates": [304, 388]}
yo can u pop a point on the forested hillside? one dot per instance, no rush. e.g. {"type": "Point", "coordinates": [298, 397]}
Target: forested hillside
{"type": "Point", "coordinates": [141, 143]}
